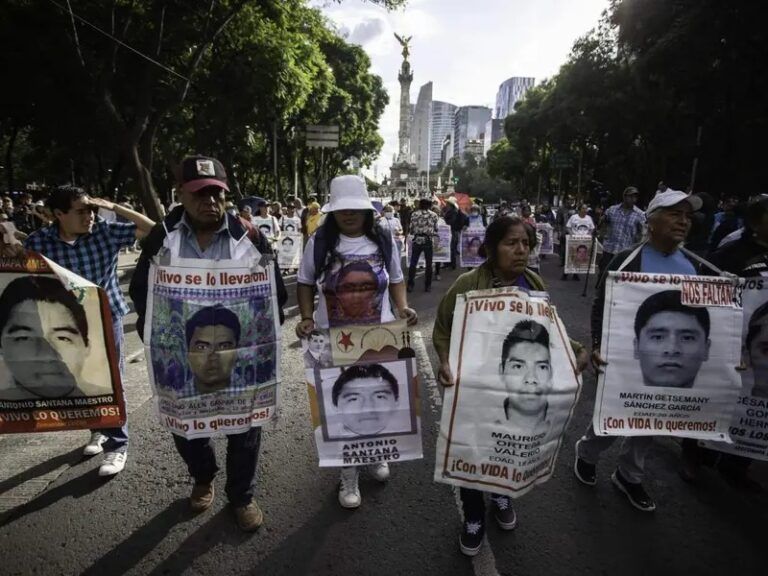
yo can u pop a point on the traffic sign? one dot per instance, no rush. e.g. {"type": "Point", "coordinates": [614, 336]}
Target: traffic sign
{"type": "Point", "coordinates": [322, 136]}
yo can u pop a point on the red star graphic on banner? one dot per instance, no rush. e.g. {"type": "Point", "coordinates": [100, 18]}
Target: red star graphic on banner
{"type": "Point", "coordinates": [345, 341]}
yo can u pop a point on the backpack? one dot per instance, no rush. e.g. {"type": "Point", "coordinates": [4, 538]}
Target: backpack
{"type": "Point", "coordinates": [383, 241]}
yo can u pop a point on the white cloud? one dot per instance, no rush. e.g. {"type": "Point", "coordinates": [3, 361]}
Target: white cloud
{"type": "Point", "coordinates": [366, 31]}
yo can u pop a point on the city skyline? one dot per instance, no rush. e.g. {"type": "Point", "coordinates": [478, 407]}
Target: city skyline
{"type": "Point", "coordinates": [511, 38]}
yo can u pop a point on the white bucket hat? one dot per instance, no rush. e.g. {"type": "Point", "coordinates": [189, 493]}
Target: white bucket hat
{"type": "Point", "coordinates": [348, 193]}
{"type": "Point", "coordinates": [671, 197]}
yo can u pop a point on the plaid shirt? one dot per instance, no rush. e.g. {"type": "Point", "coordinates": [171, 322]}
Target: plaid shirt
{"type": "Point", "coordinates": [423, 226]}
{"type": "Point", "coordinates": [93, 256]}
{"type": "Point", "coordinates": [625, 228]}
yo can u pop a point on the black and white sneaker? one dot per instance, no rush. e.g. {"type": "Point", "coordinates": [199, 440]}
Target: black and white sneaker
{"type": "Point", "coordinates": [634, 492]}
{"type": "Point", "coordinates": [504, 512]}
{"type": "Point", "coordinates": [584, 471]}
{"type": "Point", "coordinates": [471, 538]}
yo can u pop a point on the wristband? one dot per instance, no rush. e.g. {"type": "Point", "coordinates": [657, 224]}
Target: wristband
{"type": "Point", "coordinates": [306, 318]}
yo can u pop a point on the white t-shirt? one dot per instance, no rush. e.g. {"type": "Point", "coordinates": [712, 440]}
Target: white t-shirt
{"type": "Point", "coordinates": [391, 224]}
{"type": "Point", "coordinates": [356, 290]}
{"type": "Point", "coordinates": [580, 226]}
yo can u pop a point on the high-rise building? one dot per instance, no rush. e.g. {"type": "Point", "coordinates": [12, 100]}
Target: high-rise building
{"type": "Point", "coordinates": [494, 131]}
{"type": "Point", "coordinates": [474, 147]}
{"type": "Point", "coordinates": [469, 124]}
{"type": "Point", "coordinates": [422, 116]}
{"type": "Point", "coordinates": [442, 125]}
{"type": "Point", "coordinates": [510, 92]}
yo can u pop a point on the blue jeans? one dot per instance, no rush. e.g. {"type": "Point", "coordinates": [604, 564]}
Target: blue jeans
{"type": "Point", "coordinates": [117, 438]}
{"type": "Point", "coordinates": [242, 460]}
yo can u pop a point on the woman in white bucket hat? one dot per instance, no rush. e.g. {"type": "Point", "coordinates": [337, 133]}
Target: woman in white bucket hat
{"type": "Point", "coordinates": [357, 274]}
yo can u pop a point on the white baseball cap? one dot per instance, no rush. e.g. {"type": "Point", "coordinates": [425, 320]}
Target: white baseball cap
{"type": "Point", "coordinates": [348, 193]}
{"type": "Point", "coordinates": [671, 197]}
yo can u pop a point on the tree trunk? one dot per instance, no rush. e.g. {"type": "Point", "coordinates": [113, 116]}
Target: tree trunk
{"type": "Point", "coordinates": [9, 156]}
{"type": "Point", "coordinates": [148, 195]}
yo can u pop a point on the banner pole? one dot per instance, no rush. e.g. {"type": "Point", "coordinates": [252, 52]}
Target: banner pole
{"type": "Point", "coordinates": [589, 266]}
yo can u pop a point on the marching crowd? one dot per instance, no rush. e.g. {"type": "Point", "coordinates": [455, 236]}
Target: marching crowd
{"type": "Point", "coordinates": [678, 233]}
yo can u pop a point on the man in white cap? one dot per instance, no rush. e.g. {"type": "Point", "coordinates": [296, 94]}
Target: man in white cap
{"type": "Point", "coordinates": [669, 217]}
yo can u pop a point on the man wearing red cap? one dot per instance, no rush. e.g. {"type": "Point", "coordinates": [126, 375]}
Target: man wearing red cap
{"type": "Point", "coordinates": [201, 228]}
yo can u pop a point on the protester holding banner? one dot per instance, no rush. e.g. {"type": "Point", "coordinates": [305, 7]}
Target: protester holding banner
{"type": "Point", "coordinates": [746, 257]}
{"type": "Point", "coordinates": [267, 224]}
{"type": "Point", "coordinates": [669, 221]}
{"type": "Point", "coordinates": [389, 222]}
{"type": "Point", "coordinates": [424, 234]}
{"type": "Point", "coordinates": [507, 245]}
{"type": "Point", "coordinates": [201, 229]}
{"type": "Point", "coordinates": [88, 246]}
{"type": "Point", "coordinates": [291, 221]}
{"type": "Point", "coordinates": [355, 268]}
{"type": "Point", "coordinates": [579, 224]}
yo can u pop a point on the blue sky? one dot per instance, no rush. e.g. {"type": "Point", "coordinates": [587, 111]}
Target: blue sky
{"type": "Point", "coordinates": [465, 47]}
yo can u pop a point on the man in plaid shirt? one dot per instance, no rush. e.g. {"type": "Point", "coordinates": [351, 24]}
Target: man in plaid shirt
{"type": "Point", "coordinates": [88, 246]}
{"type": "Point", "coordinates": [626, 224]}
{"type": "Point", "coordinates": [423, 231]}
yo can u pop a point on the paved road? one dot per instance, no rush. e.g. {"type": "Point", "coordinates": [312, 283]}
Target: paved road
{"type": "Point", "coordinates": [62, 519]}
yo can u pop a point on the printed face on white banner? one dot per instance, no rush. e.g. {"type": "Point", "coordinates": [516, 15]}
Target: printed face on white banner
{"type": "Point", "coordinates": [545, 245]}
{"type": "Point", "coordinates": [47, 335]}
{"type": "Point", "coordinates": [577, 251]}
{"type": "Point", "coordinates": [672, 346]}
{"type": "Point", "coordinates": [212, 344]}
{"type": "Point", "coordinates": [213, 337]}
{"type": "Point", "coordinates": [289, 250]}
{"type": "Point", "coordinates": [515, 390]}
{"type": "Point", "coordinates": [366, 401]}
{"type": "Point", "coordinates": [58, 365]}
{"type": "Point", "coordinates": [317, 350]}
{"type": "Point", "coordinates": [756, 348]}
{"type": "Point", "coordinates": [471, 242]}
{"type": "Point", "coordinates": [671, 340]}
{"type": "Point", "coordinates": [749, 424]}
{"type": "Point", "coordinates": [363, 394]}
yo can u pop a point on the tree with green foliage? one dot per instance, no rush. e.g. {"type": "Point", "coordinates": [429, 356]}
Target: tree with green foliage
{"type": "Point", "coordinates": [129, 87]}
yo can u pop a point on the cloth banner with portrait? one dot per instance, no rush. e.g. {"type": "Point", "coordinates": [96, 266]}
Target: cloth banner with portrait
{"type": "Point", "coordinates": [441, 247]}
{"type": "Point", "coordinates": [265, 225]}
{"type": "Point", "coordinates": [291, 224]}
{"type": "Point", "coordinates": [59, 368]}
{"type": "Point", "coordinates": [546, 235]}
{"type": "Point", "coordinates": [469, 249]}
{"type": "Point", "coordinates": [212, 342]}
{"type": "Point", "coordinates": [577, 251]}
{"type": "Point", "coordinates": [289, 250]}
{"type": "Point", "coordinates": [672, 344]}
{"type": "Point", "coordinates": [363, 394]}
{"type": "Point", "coordinates": [749, 422]}
{"type": "Point", "coordinates": [515, 391]}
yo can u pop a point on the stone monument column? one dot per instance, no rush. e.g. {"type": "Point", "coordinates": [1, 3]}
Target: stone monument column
{"type": "Point", "coordinates": [405, 76]}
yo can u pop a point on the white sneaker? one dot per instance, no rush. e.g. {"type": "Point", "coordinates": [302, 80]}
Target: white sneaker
{"type": "Point", "coordinates": [349, 493]}
{"type": "Point", "coordinates": [94, 445]}
{"type": "Point", "coordinates": [114, 462]}
{"type": "Point", "coordinates": [380, 471]}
